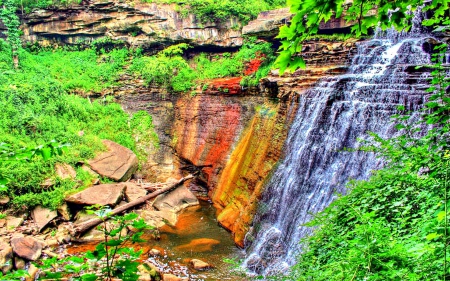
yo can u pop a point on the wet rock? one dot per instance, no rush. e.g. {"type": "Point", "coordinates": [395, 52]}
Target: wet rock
{"type": "Point", "coordinates": [176, 200]}
{"type": "Point", "coordinates": [133, 191]}
{"type": "Point", "coordinates": [64, 211]}
{"type": "Point", "coordinates": [32, 271]}
{"type": "Point", "coordinates": [171, 277]}
{"type": "Point", "coordinates": [6, 254]}
{"type": "Point", "coordinates": [200, 265]}
{"type": "Point", "coordinates": [159, 218]}
{"type": "Point", "coordinates": [27, 247]}
{"type": "Point", "coordinates": [148, 271]}
{"type": "Point", "coordinates": [42, 216]}
{"type": "Point", "coordinates": [103, 194]}
{"type": "Point", "coordinates": [118, 163]}
{"type": "Point", "coordinates": [65, 171]}
{"type": "Point", "coordinates": [199, 245]}
{"type": "Point", "coordinates": [154, 252]}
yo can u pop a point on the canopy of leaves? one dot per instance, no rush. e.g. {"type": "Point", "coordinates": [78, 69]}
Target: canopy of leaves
{"type": "Point", "coordinates": [365, 14]}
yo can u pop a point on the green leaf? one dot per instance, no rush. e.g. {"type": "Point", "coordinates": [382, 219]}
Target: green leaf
{"type": "Point", "coordinates": [441, 216]}
{"type": "Point", "coordinates": [432, 236]}
{"type": "Point", "coordinates": [89, 277]}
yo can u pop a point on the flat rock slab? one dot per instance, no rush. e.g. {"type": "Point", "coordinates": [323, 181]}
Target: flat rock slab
{"type": "Point", "coordinates": [159, 218]}
{"type": "Point", "coordinates": [133, 191]}
{"type": "Point", "coordinates": [118, 163]}
{"type": "Point", "coordinates": [13, 222]}
{"type": "Point", "coordinates": [176, 200]}
{"type": "Point", "coordinates": [103, 194]}
{"type": "Point", "coordinates": [27, 247]}
{"type": "Point", "coordinates": [42, 216]}
{"type": "Point", "coordinates": [65, 171]}
{"type": "Point", "coordinates": [200, 265]}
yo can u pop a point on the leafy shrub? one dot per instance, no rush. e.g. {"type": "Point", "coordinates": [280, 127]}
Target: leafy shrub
{"type": "Point", "coordinates": [38, 108]}
{"type": "Point", "coordinates": [210, 11]}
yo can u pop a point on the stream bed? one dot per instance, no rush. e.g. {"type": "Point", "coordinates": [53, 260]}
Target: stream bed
{"type": "Point", "coordinates": [196, 235]}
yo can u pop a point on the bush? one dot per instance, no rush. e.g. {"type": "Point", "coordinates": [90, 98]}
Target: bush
{"type": "Point", "coordinates": [37, 108]}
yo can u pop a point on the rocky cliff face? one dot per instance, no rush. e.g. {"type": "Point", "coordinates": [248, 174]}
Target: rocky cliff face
{"type": "Point", "coordinates": [234, 138]}
{"type": "Point", "coordinates": [139, 24]}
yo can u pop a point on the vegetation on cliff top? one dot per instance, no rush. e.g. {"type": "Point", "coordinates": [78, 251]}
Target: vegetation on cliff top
{"type": "Point", "coordinates": [211, 11]}
{"type": "Point", "coordinates": [168, 69]}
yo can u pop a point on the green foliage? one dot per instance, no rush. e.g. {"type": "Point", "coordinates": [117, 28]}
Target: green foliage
{"type": "Point", "coordinates": [170, 70]}
{"type": "Point", "coordinates": [28, 5]}
{"type": "Point", "coordinates": [11, 21]}
{"type": "Point", "coordinates": [38, 108]}
{"type": "Point", "coordinates": [210, 11]}
{"type": "Point", "coordinates": [393, 226]}
{"type": "Point", "coordinates": [113, 256]}
{"type": "Point", "coordinates": [309, 14]}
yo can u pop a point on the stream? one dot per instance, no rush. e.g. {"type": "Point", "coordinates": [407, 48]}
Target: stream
{"type": "Point", "coordinates": [196, 235]}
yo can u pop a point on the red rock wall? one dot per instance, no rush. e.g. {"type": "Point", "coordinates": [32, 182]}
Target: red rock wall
{"type": "Point", "coordinates": [206, 128]}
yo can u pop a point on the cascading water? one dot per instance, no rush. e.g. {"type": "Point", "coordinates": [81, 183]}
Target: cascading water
{"type": "Point", "coordinates": [332, 116]}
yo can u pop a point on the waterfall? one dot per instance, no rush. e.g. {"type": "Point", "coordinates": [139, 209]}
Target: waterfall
{"type": "Point", "coordinates": [331, 116]}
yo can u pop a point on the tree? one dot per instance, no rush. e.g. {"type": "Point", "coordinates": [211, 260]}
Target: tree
{"type": "Point", "coordinates": [11, 21]}
{"type": "Point", "coordinates": [309, 14]}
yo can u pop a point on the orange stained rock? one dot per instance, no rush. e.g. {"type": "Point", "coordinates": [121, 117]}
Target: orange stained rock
{"type": "Point", "coordinates": [209, 126]}
{"type": "Point", "coordinates": [199, 245]}
{"type": "Point", "coordinates": [241, 183]}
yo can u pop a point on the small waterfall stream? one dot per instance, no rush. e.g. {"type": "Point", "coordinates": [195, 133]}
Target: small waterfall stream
{"type": "Point", "coordinates": [332, 116]}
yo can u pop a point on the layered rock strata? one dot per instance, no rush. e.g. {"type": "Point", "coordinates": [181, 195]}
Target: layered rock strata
{"type": "Point", "coordinates": [138, 24]}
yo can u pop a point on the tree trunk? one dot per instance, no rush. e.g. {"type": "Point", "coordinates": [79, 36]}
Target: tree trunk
{"type": "Point", "coordinates": [81, 228]}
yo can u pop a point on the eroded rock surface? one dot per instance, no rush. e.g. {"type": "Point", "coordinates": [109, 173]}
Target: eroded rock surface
{"type": "Point", "coordinates": [42, 216]}
{"type": "Point", "coordinates": [138, 24]}
{"type": "Point", "coordinates": [103, 194]}
{"type": "Point", "coordinates": [118, 163]}
{"type": "Point", "coordinates": [159, 218]}
{"type": "Point", "coordinates": [133, 191]}
{"type": "Point", "coordinates": [175, 200]}
{"type": "Point", "coordinates": [27, 247]}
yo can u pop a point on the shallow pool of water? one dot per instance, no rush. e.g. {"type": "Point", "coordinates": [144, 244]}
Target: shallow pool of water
{"type": "Point", "coordinates": [196, 235]}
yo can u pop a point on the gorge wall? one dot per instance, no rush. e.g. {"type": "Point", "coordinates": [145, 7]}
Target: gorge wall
{"type": "Point", "coordinates": [235, 139]}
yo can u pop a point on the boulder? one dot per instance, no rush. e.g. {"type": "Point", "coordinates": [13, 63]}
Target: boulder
{"type": "Point", "coordinates": [148, 272]}
{"type": "Point", "coordinates": [154, 252]}
{"type": "Point", "coordinates": [175, 200]}
{"type": "Point", "coordinates": [103, 194]}
{"type": "Point", "coordinates": [13, 222]}
{"type": "Point", "coordinates": [27, 247]}
{"type": "Point", "coordinates": [32, 272]}
{"type": "Point", "coordinates": [159, 218]}
{"type": "Point", "coordinates": [64, 211]}
{"type": "Point", "coordinates": [200, 265]}
{"type": "Point", "coordinates": [42, 216]}
{"type": "Point", "coordinates": [19, 263]}
{"type": "Point", "coordinates": [117, 163]}
{"type": "Point", "coordinates": [133, 191]}
{"type": "Point", "coordinates": [65, 171]}
{"type": "Point", "coordinates": [6, 255]}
